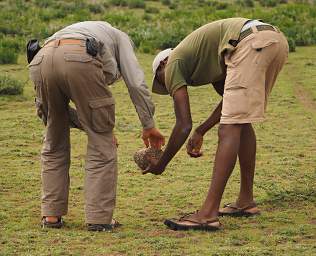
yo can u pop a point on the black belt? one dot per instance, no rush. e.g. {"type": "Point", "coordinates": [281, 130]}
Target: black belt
{"type": "Point", "coordinates": [249, 31]}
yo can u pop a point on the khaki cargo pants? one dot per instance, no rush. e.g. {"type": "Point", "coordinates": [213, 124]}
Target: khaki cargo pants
{"type": "Point", "coordinates": [64, 72]}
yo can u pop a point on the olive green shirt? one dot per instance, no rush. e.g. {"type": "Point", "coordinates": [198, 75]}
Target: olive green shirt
{"type": "Point", "coordinates": [198, 59]}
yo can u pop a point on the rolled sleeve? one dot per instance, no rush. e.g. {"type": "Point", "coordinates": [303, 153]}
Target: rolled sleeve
{"type": "Point", "coordinates": [135, 81]}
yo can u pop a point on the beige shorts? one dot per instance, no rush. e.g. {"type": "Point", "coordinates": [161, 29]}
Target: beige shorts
{"type": "Point", "coordinates": [252, 70]}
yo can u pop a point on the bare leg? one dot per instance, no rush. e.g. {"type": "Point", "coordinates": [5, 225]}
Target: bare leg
{"type": "Point", "coordinates": [247, 161]}
{"type": "Point", "coordinates": [225, 160]}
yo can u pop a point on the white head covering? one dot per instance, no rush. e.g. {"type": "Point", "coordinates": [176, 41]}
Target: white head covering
{"type": "Point", "coordinates": [157, 87]}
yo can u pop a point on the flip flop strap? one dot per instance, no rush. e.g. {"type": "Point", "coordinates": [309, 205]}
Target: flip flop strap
{"type": "Point", "coordinates": [233, 206]}
{"type": "Point", "coordinates": [201, 222]}
{"type": "Point", "coordinates": [250, 206]}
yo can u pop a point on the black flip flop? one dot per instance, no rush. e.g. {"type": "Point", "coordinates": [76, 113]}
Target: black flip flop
{"type": "Point", "coordinates": [200, 225]}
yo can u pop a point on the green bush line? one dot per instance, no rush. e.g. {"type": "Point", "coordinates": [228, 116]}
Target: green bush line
{"type": "Point", "coordinates": [151, 27]}
{"type": "Point", "coordinates": [10, 86]}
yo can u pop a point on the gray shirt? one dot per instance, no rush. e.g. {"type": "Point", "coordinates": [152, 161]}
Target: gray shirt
{"type": "Point", "coordinates": [119, 60]}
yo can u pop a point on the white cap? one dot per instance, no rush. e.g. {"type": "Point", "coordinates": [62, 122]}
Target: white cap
{"type": "Point", "coordinates": [157, 87]}
{"type": "Point", "coordinates": [160, 57]}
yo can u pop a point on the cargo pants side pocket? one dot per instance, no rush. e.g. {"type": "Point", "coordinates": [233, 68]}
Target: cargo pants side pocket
{"type": "Point", "coordinates": [40, 111]}
{"type": "Point", "coordinates": [102, 114]}
{"type": "Point", "coordinates": [35, 76]}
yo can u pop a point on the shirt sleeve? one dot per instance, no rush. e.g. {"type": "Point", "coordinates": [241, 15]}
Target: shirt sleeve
{"type": "Point", "coordinates": [175, 76]}
{"type": "Point", "coordinates": [135, 81]}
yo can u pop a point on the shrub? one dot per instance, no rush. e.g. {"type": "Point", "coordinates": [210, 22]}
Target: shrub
{"type": "Point", "coordinates": [173, 6]}
{"type": "Point", "coordinates": [122, 19]}
{"type": "Point", "coordinates": [10, 86]}
{"type": "Point", "coordinates": [269, 3]}
{"type": "Point", "coordinates": [81, 15]}
{"type": "Point", "coordinates": [218, 4]}
{"type": "Point", "coordinates": [147, 17]}
{"type": "Point", "coordinates": [44, 3]}
{"type": "Point", "coordinates": [95, 8]}
{"type": "Point", "coordinates": [7, 56]}
{"type": "Point", "coordinates": [10, 43]}
{"type": "Point", "coordinates": [169, 38]}
{"type": "Point", "coordinates": [119, 2]}
{"type": "Point", "coordinates": [68, 7]}
{"type": "Point", "coordinates": [246, 3]}
{"type": "Point", "coordinates": [292, 44]}
{"type": "Point", "coordinates": [152, 10]}
{"type": "Point", "coordinates": [222, 6]}
{"type": "Point", "coordinates": [9, 49]}
{"type": "Point", "coordinates": [106, 5]}
{"type": "Point", "coordinates": [152, 29]}
{"type": "Point", "coordinates": [146, 48]}
{"type": "Point", "coordinates": [136, 3]}
{"type": "Point", "coordinates": [166, 2]}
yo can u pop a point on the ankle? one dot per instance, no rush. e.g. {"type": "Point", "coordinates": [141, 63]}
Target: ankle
{"type": "Point", "coordinates": [243, 202]}
{"type": "Point", "coordinates": [207, 214]}
{"type": "Point", "coordinates": [52, 219]}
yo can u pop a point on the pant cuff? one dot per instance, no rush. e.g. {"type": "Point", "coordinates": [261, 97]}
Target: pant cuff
{"type": "Point", "coordinates": [50, 212]}
{"type": "Point", "coordinates": [99, 220]}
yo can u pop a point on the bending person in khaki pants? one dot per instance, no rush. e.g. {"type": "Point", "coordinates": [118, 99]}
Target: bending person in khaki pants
{"type": "Point", "coordinates": [78, 63]}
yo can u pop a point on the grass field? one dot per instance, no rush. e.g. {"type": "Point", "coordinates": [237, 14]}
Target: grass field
{"type": "Point", "coordinates": [285, 182]}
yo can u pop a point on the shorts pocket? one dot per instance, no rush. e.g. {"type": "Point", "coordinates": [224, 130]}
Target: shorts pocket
{"type": "Point", "coordinates": [102, 114]}
{"type": "Point", "coordinates": [260, 44]}
{"type": "Point", "coordinates": [235, 101]}
{"type": "Point", "coordinates": [264, 52]}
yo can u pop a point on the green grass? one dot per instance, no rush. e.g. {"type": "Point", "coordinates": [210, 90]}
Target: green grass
{"type": "Point", "coordinates": [285, 178]}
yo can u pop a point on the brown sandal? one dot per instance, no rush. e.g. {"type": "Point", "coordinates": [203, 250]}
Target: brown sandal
{"type": "Point", "coordinates": [203, 225]}
{"type": "Point", "coordinates": [104, 227]}
{"type": "Point", "coordinates": [236, 211]}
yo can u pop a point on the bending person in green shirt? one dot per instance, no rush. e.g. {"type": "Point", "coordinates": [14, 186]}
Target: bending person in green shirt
{"type": "Point", "coordinates": [241, 58]}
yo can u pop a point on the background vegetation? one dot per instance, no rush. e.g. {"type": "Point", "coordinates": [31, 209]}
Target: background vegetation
{"type": "Point", "coordinates": [151, 24]}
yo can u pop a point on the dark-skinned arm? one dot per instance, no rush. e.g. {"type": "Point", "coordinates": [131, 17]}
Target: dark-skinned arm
{"type": "Point", "coordinates": [211, 121]}
{"type": "Point", "coordinates": [214, 118]}
{"type": "Point", "coordinates": [180, 131]}
{"type": "Point", "coordinates": [196, 140]}
{"type": "Point", "coordinates": [219, 87]}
